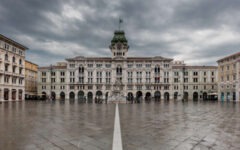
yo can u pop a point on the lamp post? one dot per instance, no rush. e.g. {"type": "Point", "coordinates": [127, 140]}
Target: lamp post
{"type": "Point", "coordinates": [51, 81]}
{"type": "Point", "coordinates": [183, 70]}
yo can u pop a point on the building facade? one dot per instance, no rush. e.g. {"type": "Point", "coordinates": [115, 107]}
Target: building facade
{"type": "Point", "coordinates": [228, 75]}
{"type": "Point", "coordinates": [12, 69]}
{"type": "Point", "coordinates": [126, 77]}
{"type": "Point", "coordinates": [31, 71]}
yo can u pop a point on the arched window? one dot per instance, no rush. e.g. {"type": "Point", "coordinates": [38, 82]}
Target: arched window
{"type": "Point", "coordinates": [119, 70]}
{"type": "Point", "coordinates": [6, 57]}
{"type": "Point", "coordinates": [81, 69]}
{"type": "Point", "coordinates": [157, 69]}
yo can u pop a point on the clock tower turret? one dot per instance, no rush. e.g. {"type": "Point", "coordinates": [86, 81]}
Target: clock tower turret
{"type": "Point", "coordinates": [119, 45]}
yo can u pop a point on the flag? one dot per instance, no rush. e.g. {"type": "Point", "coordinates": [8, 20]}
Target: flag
{"type": "Point", "coordinates": [120, 20]}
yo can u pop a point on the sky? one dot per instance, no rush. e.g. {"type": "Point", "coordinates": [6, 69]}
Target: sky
{"type": "Point", "coordinates": [197, 31]}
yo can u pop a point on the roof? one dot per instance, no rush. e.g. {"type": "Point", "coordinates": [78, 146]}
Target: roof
{"type": "Point", "coordinates": [194, 67]}
{"type": "Point", "coordinates": [31, 62]}
{"type": "Point", "coordinates": [156, 58]}
{"type": "Point", "coordinates": [229, 56]}
{"type": "Point", "coordinates": [53, 67]}
{"type": "Point", "coordinates": [119, 36]}
{"type": "Point", "coordinates": [8, 40]}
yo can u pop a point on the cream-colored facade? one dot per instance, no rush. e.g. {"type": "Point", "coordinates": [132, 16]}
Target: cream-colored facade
{"type": "Point", "coordinates": [126, 77]}
{"type": "Point", "coordinates": [228, 75]}
{"type": "Point", "coordinates": [12, 70]}
{"type": "Point", "coordinates": [31, 71]}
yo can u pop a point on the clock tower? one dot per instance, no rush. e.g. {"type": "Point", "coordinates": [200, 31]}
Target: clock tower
{"type": "Point", "coordinates": [119, 45]}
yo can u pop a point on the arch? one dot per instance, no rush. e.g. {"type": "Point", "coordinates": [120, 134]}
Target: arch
{"type": "Point", "coordinates": [20, 94]}
{"type": "Point", "coordinates": [166, 96]}
{"type": "Point", "coordinates": [14, 94]}
{"type": "Point", "coordinates": [148, 96]}
{"type": "Point", "coordinates": [222, 96]}
{"type": "Point", "coordinates": [195, 96]}
{"type": "Point", "coordinates": [44, 95]}
{"type": "Point", "coordinates": [62, 96]}
{"type": "Point", "coordinates": [175, 95]}
{"type": "Point", "coordinates": [185, 96]}
{"type": "Point", "coordinates": [6, 94]}
{"type": "Point", "coordinates": [80, 95]}
{"type": "Point", "coordinates": [53, 96]}
{"type": "Point", "coordinates": [13, 59]}
{"type": "Point", "coordinates": [139, 96]}
{"type": "Point", "coordinates": [6, 57]}
{"type": "Point", "coordinates": [99, 94]}
{"type": "Point", "coordinates": [205, 96]}
{"type": "Point", "coordinates": [157, 95]}
{"type": "Point", "coordinates": [157, 69]}
{"type": "Point", "coordinates": [71, 95]}
{"type": "Point", "coordinates": [90, 96]}
{"type": "Point", "coordinates": [119, 70]}
{"type": "Point", "coordinates": [20, 61]}
{"type": "Point", "coordinates": [130, 96]}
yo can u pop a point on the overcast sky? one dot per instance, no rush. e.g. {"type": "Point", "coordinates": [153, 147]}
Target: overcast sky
{"type": "Point", "coordinates": [196, 31]}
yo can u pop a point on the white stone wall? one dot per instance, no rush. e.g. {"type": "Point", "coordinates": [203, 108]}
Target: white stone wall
{"type": "Point", "coordinates": [19, 54]}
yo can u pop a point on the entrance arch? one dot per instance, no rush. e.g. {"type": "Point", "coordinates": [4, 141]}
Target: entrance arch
{"type": "Point", "coordinates": [139, 96]}
{"type": "Point", "coordinates": [195, 96]}
{"type": "Point", "coordinates": [62, 96]}
{"type": "Point", "coordinates": [99, 96]}
{"type": "Point", "coordinates": [157, 96]}
{"type": "Point", "coordinates": [53, 96]}
{"type": "Point", "coordinates": [80, 95]}
{"type": "Point", "coordinates": [71, 96]}
{"type": "Point", "coordinates": [205, 96]}
{"type": "Point", "coordinates": [14, 94]}
{"type": "Point", "coordinates": [90, 96]}
{"type": "Point", "coordinates": [185, 96]}
{"type": "Point", "coordinates": [130, 96]}
{"type": "Point", "coordinates": [166, 96]}
{"type": "Point", "coordinates": [175, 97]}
{"type": "Point", "coordinates": [148, 96]}
{"type": "Point", "coordinates": [20, 94]}
{"type": "Point", "coordinates": [6, 94]}
{"type": "Point", "coordinates": [44, 95]}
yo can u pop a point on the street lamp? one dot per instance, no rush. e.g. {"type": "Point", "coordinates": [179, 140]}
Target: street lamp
{"type": "Point", "coordinates": [51, 68]}
{"type": "Point", "coordinates": [183, 69]}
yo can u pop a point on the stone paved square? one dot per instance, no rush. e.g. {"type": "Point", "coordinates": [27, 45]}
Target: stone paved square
{"type": "Point", "coordinates": [157, 126]}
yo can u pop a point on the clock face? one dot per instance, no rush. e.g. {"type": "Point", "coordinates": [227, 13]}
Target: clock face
{"type": "Point", "coordinates": [119, 46]}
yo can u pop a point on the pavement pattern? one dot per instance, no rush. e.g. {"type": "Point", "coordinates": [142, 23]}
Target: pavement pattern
{"type": "Point", "coordinates": [155, 126]}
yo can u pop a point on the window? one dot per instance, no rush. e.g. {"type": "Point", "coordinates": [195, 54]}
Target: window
{"type": "Point", "coordinates": [90, 65]}
{"type": "Point", "coordinates": [6, 57]}
{"type": "Point", "coordinates": [13, 59]}
{"type": "Point", "coordinates": [62, 73]}
{"type": "Point", "coordinates": [43, 73]}
{"type": "Point", "coordinates": [20, 61]}
{"type": "Point", "coordinates": [195, 73]}
{"type": "Point", "coordinates": [139, 65]}
{"type": "Point", "coordinates": [72, 65]}
{"type": "Point", "coordinates": [6, 46]}
{"type": "Point", "coordinates": [130, 65]}
{"type": "Point", "coordinates": [62, 80]}
{"type": "Point", "coordinates": [148, 65]}
{"type": "Point", "coordinates": [44, 80]}
{"type": "Point", "coordinates": [108, 65]}
{"type": "Point", "coordinates": [195, 79]}
{"type": "Point", "coordinates": [99, 65]}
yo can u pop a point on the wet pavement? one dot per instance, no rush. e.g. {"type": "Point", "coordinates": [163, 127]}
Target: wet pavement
{"type": "Point", "coordinates": [181, 126]}
{"type": "Point", "coordinates": [164, 125]}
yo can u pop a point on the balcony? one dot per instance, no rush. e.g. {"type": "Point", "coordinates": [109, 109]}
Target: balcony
{"type": "Point", "coordinates": [7, 61]}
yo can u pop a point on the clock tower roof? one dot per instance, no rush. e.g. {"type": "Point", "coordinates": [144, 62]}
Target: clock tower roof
{"type": "Point", "coordinates": [119, 37]}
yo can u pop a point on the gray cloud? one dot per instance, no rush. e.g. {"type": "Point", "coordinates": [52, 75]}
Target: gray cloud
{"type": "Point", "coordinates": [199, 31]}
